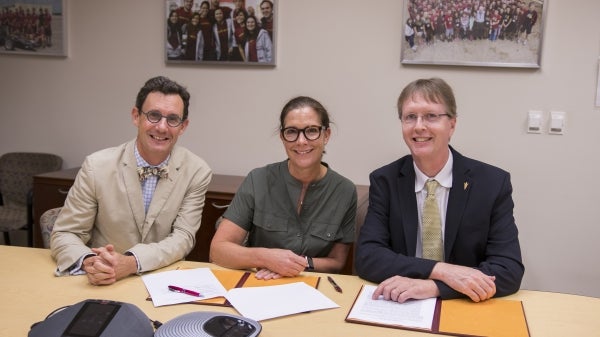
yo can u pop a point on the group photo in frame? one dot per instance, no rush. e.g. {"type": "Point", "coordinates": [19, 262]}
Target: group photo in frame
{"type": "Point", "coordinates": [33, 27]}
{"type": "Point", "coordinates": [499, 33]}
{"type": "Point", "coordinates": [598, 85]}
{"type": "Point", "coordinates": [223, 32]}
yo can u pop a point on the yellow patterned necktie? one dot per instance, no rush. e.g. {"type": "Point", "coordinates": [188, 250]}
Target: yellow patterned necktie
{"type": "Point", "coordinates": [432, 225]}
{"type": "Point", "coordinates": [146, 171]}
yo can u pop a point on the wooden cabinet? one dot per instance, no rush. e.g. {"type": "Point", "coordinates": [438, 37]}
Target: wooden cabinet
{"type": "Point", "coordinates": [219, 195]}
{"type": "Point", "coordinates": [50, 190]}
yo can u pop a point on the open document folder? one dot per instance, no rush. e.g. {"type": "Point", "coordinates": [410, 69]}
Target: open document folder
{"type": "Point", "coordinates": [252, 298]}
{"type": "Point", "coordinates": [462, 317]}
{"type": "Point", "coordinates": [240, 290]}
{"type": "Point", "coordinates": [231, 279]}
{"type": "Point", "coordinates": [200, 277]}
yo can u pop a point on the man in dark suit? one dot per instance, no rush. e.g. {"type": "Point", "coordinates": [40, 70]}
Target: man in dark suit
{"type": "Point", "coordinates": [478, 247]}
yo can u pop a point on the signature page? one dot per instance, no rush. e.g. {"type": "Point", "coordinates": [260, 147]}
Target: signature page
{"type": "Point", "coordinates": [417, 314]}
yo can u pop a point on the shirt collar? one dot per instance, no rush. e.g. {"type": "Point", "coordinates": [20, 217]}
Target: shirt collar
{"type": "Point", "coordinates": [444, 177]}
{"type": "Point", "coordinates": [142, 163]}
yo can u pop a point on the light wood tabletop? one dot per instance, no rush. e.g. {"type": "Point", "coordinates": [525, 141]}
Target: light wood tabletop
{"type": "Point", "coordinates": [30, 292]}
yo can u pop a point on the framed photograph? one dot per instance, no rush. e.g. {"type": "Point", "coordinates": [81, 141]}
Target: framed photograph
{"type": "Point", "coordinates": [598, 86]}
{"type": "Point", "coordinates": [33, 27]}
{"type": "Point", "coordinates": [494, 33]}
{"type": "Point", "coordinates": [225, 32]}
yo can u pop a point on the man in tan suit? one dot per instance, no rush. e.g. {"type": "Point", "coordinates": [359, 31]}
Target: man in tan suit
{"type": "Point", "coordinates": [135, 207]}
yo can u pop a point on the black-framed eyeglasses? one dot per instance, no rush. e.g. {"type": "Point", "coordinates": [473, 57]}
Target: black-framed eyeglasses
{"type": "Point", "coordinates": [429, 118]}
{"type": "Point", "coordinates": [291, 134]}
{"type": "Point", "coordinates": [154, 116]}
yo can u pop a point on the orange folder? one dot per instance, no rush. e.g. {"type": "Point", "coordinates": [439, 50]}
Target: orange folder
{"type": "Point", "coordinates": [494, 317]}
{"type": "Point", "coordinates": [241, 279]}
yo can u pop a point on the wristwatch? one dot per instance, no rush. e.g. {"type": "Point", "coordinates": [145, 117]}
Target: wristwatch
{"type": "Point", "coordinates": [309, 263]}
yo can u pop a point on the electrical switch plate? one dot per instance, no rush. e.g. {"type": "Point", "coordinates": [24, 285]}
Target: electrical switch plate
{"type": "Point", "coordinates": [534, 122]}
{"type": "Point", "coordinates": [557, 122]}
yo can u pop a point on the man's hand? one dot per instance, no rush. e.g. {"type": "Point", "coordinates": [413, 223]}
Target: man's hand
{"type": "Point", "coordinates": [108, 266]}
{"type": "Point", "coordinates": [400, 289]}
{"type": "Point", "coordinates": [469, 281]}
{"type": "Point", "coordinates": [98, 271]}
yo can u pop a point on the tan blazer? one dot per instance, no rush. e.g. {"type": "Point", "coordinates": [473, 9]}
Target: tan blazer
{"type": "Point", "coordinates": [105, 205]}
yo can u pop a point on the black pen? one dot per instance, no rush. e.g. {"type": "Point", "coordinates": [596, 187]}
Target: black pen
{"type": "Point", "coordinates": [335, 285]}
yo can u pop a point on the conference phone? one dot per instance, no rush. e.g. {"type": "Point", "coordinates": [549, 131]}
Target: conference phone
{"type": "Point", "coordinates": [105, 318]}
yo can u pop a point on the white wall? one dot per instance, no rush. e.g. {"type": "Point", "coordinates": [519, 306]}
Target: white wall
{"type": "Point", "coordinates": [346, 54]}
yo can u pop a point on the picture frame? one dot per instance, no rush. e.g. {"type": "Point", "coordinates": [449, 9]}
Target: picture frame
{"type": "Point", "coordinates": [33, 27]}
{"type": "Point", "coordinates": [598, 85]}
{"type": "Point", "coordinates": [224, 33]}
{"type": "Point", "coordinates": [486, 33]}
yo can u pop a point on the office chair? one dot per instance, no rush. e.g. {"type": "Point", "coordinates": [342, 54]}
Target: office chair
{"type": "Point", "coordinates": [47, 223]}
{"type": "Point", "coordinates": [16, 189]}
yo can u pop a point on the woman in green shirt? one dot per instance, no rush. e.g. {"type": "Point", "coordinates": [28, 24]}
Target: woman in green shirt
{"type": "Point", "coordinates": [293, 215]}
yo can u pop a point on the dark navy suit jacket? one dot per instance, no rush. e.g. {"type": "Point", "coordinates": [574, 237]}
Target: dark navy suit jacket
{"type": "Point", "coordinates": [480, 228]}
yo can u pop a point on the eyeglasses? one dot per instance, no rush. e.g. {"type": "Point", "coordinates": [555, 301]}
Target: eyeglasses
{"type": "Point", "coordinates": [291, 134]}
{"type": "Point", "coordinates": [155, 116]}
{"type": "Point", "coordinates": [429, 118]}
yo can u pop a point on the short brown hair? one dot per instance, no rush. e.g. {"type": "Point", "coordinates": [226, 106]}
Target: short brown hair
{"type": "Point", "coordinates": [433, 90]}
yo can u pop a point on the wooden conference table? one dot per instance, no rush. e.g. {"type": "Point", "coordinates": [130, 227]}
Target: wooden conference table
{"type": "Point", "coordinates": [30, 291]}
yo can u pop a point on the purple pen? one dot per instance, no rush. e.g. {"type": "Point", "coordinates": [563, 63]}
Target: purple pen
{"type": "Point", "coordinates": [184, 291]}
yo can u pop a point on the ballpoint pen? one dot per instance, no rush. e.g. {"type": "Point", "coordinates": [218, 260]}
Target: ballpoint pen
{"type": "Point", "coordinates": [335, 285]}
{"type": "Point", "coordinates": [184, 291]}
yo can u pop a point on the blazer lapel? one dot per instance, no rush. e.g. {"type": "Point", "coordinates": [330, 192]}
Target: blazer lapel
{"type": "Point", "coordinates": [162, 192]}
{"type": "Point", "coordinates": [132, 185]}
{"type": "Point", "coordinates": [408, 206]}
{"type": "Point", "coordinates": [457, 201]}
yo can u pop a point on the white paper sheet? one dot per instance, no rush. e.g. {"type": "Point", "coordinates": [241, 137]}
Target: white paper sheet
{"type": "Point", "coordinates": [201, 280]}
{"type": "Point", "coordinates": [414, 313]}
{"type": "Point", "coordinates": [260, 303]}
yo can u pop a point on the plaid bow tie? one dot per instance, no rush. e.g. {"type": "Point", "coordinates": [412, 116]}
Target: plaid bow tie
{"type": "Point", "coordinates": [145, 172]}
